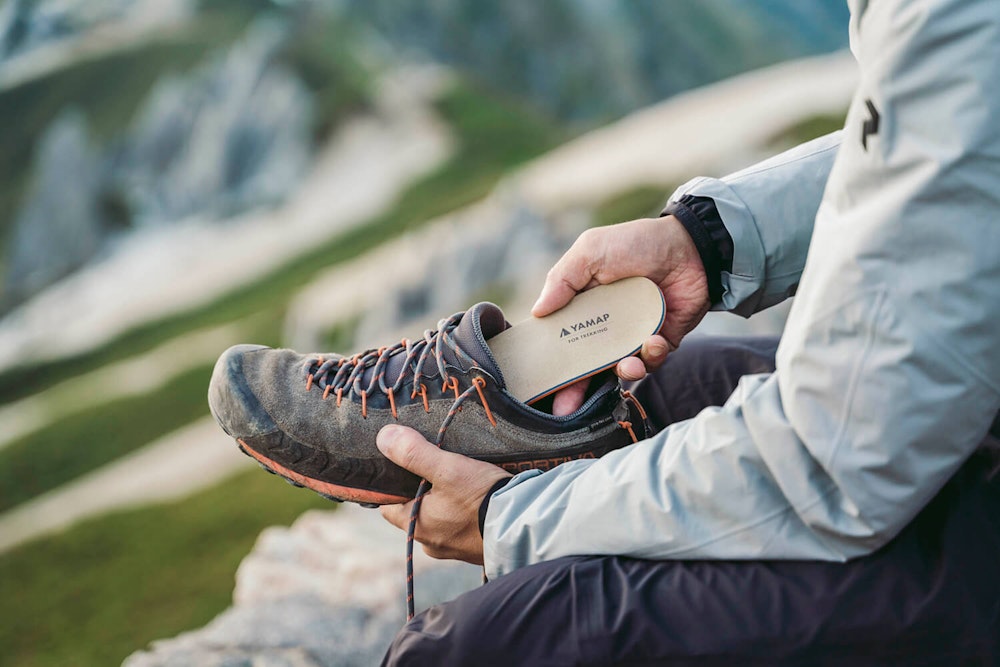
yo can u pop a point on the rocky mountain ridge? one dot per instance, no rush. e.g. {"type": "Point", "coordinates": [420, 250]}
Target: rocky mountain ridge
{"type": "Point", "coordinates": [236, 132]}
{"type": "Point", "coordinates": [232, 135]}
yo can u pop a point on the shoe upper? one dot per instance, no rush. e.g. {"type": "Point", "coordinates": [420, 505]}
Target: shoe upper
{"type": "Point", "coordinates": [319, 414]}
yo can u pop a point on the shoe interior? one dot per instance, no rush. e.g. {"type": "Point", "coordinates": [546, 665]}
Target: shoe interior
{"type": "Point", "coordinates": [594, 384]}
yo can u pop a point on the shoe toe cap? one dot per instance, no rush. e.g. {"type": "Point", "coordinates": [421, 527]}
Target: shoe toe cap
{"type": "Point", "coordinates": [231, 399]}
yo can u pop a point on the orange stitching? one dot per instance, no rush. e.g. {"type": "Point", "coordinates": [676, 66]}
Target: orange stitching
{"type": "Point", "coordinates": [309, 382]}
{"type": "Point", "coordinates": [423, 391]}
{"type": "Point", "coordinates": [392, 404]}
{"type": "Point", "coordinates": [364, 404]}
{"type": "Point", "coordinates": [479, 384]}
{"type": "Point", "coordinates": [628, 427]}
{"type": "Point", "coordinates": [340, 395]}
{"type": "Point", "coordinates": [454, 385]}
{"type": "Point", "coordinates": [326, 392]}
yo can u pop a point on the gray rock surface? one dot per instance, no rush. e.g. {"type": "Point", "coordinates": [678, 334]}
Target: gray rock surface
{"type": "Point", "coordinates": [233, 135]}
{"type": "Point", "coordinates": [327, 592]}
{"type": "Point", "coordinates": [59, 228]}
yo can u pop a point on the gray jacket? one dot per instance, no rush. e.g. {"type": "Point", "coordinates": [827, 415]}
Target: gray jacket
{"type": "Point", "coordinates": [888, 373]}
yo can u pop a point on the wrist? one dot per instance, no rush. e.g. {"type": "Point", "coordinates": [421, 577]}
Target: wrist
{"type": "Point", "coordinates": [485, 503]}
{"type": "Point", "coordinates": [710, 239]}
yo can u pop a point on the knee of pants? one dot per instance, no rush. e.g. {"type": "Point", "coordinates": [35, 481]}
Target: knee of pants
{"type": "Point", "coordinates": [434, 638]}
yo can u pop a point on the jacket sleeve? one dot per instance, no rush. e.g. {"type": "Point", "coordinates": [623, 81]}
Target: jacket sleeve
{"type": "Point", "coordinates": [887, 373]}
{"type": "Point", "coordinates": [768, 210]}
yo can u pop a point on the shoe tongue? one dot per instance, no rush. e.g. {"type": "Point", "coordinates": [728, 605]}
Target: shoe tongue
{"type": "Point", "coordinates": [478, 325]}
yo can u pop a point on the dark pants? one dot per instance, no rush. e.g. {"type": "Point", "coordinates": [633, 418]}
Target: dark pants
{"type": "Point", "coordinates": [929, 597]}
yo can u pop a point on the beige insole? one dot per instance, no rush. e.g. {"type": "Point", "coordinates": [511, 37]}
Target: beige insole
{"type": "Point", "coordinates": [596, 330]}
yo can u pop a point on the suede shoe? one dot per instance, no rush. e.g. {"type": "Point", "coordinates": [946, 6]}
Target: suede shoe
{"type": "Point", "coordinates": [313, 418]}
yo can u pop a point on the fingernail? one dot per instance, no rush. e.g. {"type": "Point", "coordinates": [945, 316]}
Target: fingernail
{"type": "Point", "coordinates": [386, 437]}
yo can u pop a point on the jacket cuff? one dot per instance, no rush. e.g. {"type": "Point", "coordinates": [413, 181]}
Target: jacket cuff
{"type": "Point", "coordinates": [485, 505]}
{"type": "Point", "coordinates": [701, 219]}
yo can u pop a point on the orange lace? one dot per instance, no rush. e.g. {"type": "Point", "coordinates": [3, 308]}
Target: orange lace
{"type": "Point", "coordinates": [347, 373]}
{"type": "Point", "coordinates": [336, 375]}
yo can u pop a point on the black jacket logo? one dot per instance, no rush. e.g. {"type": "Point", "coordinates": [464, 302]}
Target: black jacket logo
{"type": "Point", "coordinates": [871, 125]}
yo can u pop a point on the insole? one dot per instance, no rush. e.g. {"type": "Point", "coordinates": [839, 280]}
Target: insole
{"type": "Point", "coordinates": [593, 332]}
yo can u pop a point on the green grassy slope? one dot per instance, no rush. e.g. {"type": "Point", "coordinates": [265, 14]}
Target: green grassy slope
{"type": "Point", "coordinates": [642, 202]}
{"type": "Point", "coordinates": [72, 446]}
{"type": "Point", "coordinates": [107, 587]}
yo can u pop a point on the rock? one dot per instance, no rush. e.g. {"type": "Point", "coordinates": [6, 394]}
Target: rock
{"type": "Point", "coordinates": [29, 26]}
{"type": "Point", "coordinates": [326, 592]}
{"type": "Point", "coordinates": [232, 135]}
{"type": "Point", "coordinates": [59, 229]}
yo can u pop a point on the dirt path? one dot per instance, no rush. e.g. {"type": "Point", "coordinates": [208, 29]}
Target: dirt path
{"type": "Point", "coordinates": [714, 129]}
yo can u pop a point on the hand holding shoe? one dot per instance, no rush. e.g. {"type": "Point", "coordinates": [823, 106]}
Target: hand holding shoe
{"type": "Point", "coordinates": [448, 526]}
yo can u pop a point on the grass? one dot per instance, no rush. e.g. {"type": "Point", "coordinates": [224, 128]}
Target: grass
{"type": "Point", "coordinates": [339, 338]}
{"type": "Point", "coordinates": [82, 441]}
{"type": "Point", "coordinates": [807, 130]}
{"type": "Point", "coordinates": [67, 448]}
{"type": "Point", "coordinates": [107, 587]}
{"type": "Point", "coordinates": [494, 134]}
{"type": "Point", "coordinates": [642, 202]}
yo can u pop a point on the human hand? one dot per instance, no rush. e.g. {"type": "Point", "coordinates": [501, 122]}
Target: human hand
{"type": "Point", "coordinates": [657, 248]}
{"type": "Point", "coordinates": [448, 525]}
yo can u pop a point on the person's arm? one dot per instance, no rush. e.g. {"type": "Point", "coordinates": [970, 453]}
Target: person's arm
{"type": "Point", "coordinates": [888, 374]}
{"type": "Point", "coordinates": [767, 211]}
{"type": "Point", "coordinates": [716, 245]}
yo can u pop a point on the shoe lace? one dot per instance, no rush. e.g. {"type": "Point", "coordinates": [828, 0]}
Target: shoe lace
{"type": "Point", "coordinates": [336, 375]}
{"type": "Point", "coordinates": [347, 373]}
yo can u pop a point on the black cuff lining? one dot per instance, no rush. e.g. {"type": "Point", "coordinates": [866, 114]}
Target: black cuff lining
{"type": "Point", "coordinates": [708, 213]}
{"type": "Point", "coordinates": [706, 247]}
{"type": "Point", "coordinates": [483, 506]}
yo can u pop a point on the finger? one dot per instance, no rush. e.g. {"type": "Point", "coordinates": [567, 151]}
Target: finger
{"type": "Point", "coordinates": [570, 275]}
{"type": "Point", "coordinates": [569, 399]}
{"type": "Point", "coordinates": [408, 449]}
{"type": "Point", "coordinates": [654, 352]}
{"type": "Point", "coordinates": [397, 515]}
{"type": "Point", "coordinates": [631, 369]}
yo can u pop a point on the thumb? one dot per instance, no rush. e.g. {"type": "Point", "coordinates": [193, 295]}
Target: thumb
{"type": "Point", "coordinates": [408, 449]}
{"type": "Point", "coordinates": [570, 275]}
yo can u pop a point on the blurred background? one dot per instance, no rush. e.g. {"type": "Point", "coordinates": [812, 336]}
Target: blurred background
{"type": "Point", "coordinates": [177, 176]}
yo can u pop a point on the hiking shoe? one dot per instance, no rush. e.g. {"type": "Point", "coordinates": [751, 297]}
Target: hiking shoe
{"type": "Point", "coordinates": [313, 418]}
